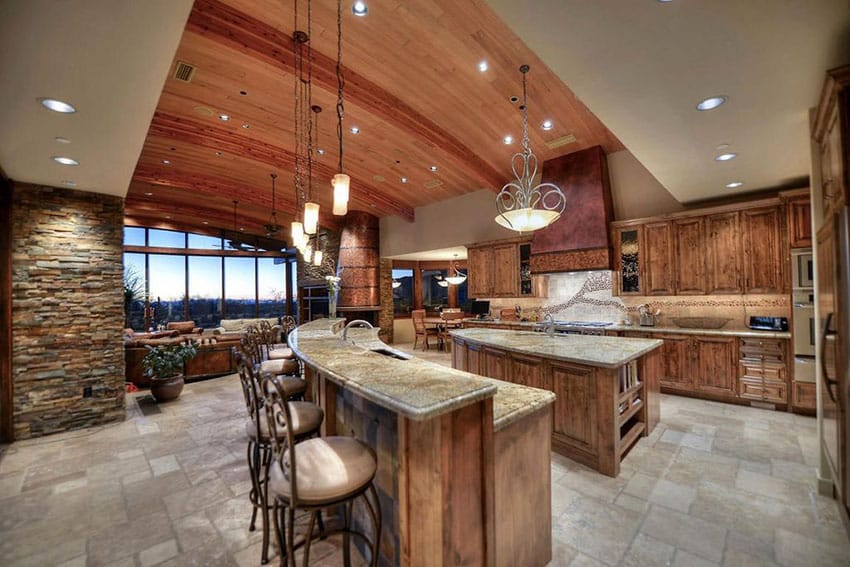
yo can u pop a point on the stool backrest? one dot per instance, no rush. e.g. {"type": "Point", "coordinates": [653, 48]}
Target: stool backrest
{"type": "Point", "coordinates": [279, 417]}
{"type": "Point", "coordinates": [250, 388]}
{"type": "Point", "coordinates": [250, 346]}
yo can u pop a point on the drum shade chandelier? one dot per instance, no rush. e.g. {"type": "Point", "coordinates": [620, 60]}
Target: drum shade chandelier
{"type": "Point", "coordinates": [522, 205]}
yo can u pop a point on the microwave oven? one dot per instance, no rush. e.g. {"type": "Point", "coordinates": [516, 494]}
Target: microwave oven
{"type": "Point", "coordinates": [802, 269]}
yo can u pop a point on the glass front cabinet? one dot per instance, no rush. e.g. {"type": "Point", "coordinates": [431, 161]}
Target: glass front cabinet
{"type": "Point", "coordinates": [628, 242]}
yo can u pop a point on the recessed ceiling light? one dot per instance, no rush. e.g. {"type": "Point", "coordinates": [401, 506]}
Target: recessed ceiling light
{"type": "Point", "coordinates": [166, 162]}
{"type": "Point", "coordinates": [734, 185]}
{"type": "Point", "coordinates": [374, 205]}
{"type": "Point", "coordinates": [664, 1]}
{"type": "Point", "coordinates": [62, 140]}
{"type": "Point", "coordinates": [57, 105]}
{"type": "Point", "coordinates": [320, 151]}
{"type": "Point", "coordinates": [360, 9]}
{"type": "Point", "coordinates": [218, 153]}
{"type": "Point", "coordinates": [547, 125]}
{"type": "Point", "coordinates": [206, 222]}
{"type": "Point", "coordinates": [513, 99]}
{"type": "Point", "coordinates": [404, 179]}
{"type": "Point", "coordinates": [148, 194]}
{"type": "Point", "coordinates": [355, 130]}
{"type": "Point", "coordinates": [242, 228]}
{"type": "Point", "coordinates": [69, 183]}
{"type": "Point", "coordinates": [65, 160]}
{"type": "Point", "coordinates": [508, 140]}
{"type": "Point", "coordinates": [726, 157]}
{"type": "Point", "coordinates": [711, 102]}
{"type": "Point", "coordinates": [246, 125]}
{"type": "Point", "coordinates": [224, 117]}
{"type": "Point", "coordinates": [433, 168]}
{"type": "Point", "coordinates": [482, 66]}
{"type": "Point", "coordinates": [243, 93]}
{"type": "Point", "coordinates": [168, 217]}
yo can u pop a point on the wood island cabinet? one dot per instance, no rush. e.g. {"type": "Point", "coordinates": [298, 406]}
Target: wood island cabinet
{"type": "Point", "coordinates": [763, 251]}
{"type": "Point", "coordinates": [689, 244]}
{"type": "Point", "coordinates": [658, 252]}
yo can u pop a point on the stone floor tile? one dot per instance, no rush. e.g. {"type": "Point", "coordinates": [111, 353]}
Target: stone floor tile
{"type": "Point", "coordinates": [196, 498]}
{"type": "Point", "coordinates": [796, 549]}
{"type": "Point", "coordinates": [11, 483]}
{"type": "Point", "coordinates": [232, 518]}
{"type": "Point", "coordinates": [633, 503]}
{"type": "Point", "coordinates": [640, 485]}
{"type": "Point", "coordinates": [593, 484]}
{"type": "Point", "coordinates": [685, 559]}
{"type": "Point", "coordinates": [213, 556]}
{"type": "Point", "coordinates": [113, 543]}
{"type": "Point", "coordinates": [785, 490]}
{"type": "Point", "coordinates": [796, 472]}
{"type": "Point", "coordinates": [79, 561]}
{"type": "Point", "coordinates": [562, 554]}
{"type": "Point", "coordinates": [562, 498]}
{"type": "Point", "coordinates": [736, 558]}
{"type": "Point", "coordinates": [601, 530]}
{"type": "Point", "coordinates": [164, 465]}
{"type": "Point", "coordinates": [648, 552]}
{"type": "Point", "coordinates": [582, 560]}
{"type": "Point", "coordinates": [685, 532]}
{"type": "Point", "coordinates": [195, 531]}
{"type": "Point", "coordinates": [672, 495]}
{"type": "Point", "coordinates": [158, 553]}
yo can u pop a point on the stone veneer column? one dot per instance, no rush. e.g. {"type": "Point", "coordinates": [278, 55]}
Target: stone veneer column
{"type": "Point", "coordinates": [67, 309]}
{"type": "Point", "coordinates": [386, 317]}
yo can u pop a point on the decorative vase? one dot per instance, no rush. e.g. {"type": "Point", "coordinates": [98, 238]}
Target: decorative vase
{"type": "Point", "coordinates": [331, 304]}
{"type": "Point", "coordinates": [167, 389]}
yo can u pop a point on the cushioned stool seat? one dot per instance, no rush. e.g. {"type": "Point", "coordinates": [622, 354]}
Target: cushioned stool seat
{"type": "Point", "coordinates": [328, 469]}
{"type": "Point", "coordinates": [306, 417]}
{"type": "Point", "coordinates": [275, 367]}
{"type": "Point", "coordinates": [279, 352]}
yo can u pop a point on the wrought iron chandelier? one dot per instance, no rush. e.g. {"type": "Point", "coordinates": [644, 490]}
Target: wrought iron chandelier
{"type": "Point", "coordinates": [523, 206]}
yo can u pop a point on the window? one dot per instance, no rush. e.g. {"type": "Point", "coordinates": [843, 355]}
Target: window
{"type": "Point", "coordinates": [434, 295]}
{"type": "Point", "coordinates": [463, 300]}
{"type": "Point", "coordinates": [402, 294]}
{"type": "Point", "coordinates": [203, 242]}
{"type": "Point", "coordinates": [294, 288]}
{"type": "Point", "coordinates": [135, 290]}
{"type": "Point", "coordinates": [166, 238]}
{"type": "Point", "coordinates": [205, 290]}
{"type": "Point", "coordinates": [167, 288]}
{"type": "Point", "coordinates": [134, 236]}
{"type": "Point", "coordinates": [271, 278]}
{"type": "Point", "coordinates": [240, 280]}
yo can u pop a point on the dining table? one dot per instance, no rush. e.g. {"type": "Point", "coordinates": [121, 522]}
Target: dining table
{"type": "Point", "coordinates": [442, 325]}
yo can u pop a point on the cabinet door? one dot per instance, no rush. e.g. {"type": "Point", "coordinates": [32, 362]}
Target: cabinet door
{"type": "Point", "coordinates": [677, 362]}
{"type": "Point", "coordinates": [495, 362]}
{"type": "Point", "coordinates": [527, 371]}
{"type": "Point", "coordinates": [689, 239]}
{"type": "Point", "coordinates": [800, 222]}
{"type": "Point", "coordinates": [716, 364]}
{"type": "Point", "coordinates": [627, 260]}
{"type": "Point", "coordinates": [473, 359]}
{"type": "Point", "coordinates": [723, 240]}
{"type": "Point", "coordinates": [459, 354]}
{"type": "Point", "coordinates": [506, 271]}
{"type": "Point", "coordinates": [658, 252]}
{"type": "Point", "coordinates": [762, 244]}
{"type": "Point", "coordinates": [575, 419]}
{"type": "Point", "coordinates": [480, 272]}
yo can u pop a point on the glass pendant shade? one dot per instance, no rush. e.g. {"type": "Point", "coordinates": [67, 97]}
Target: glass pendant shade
{"type": "Point", "coordinates": [527, 219]}
{"type": "Point", "coordinates": [311, 217]}
{"type": "Point", "coordinates": [341, 184]}
{"type": "Point", "coordinates": [317, 258]}
{"type": "Point", "coordinates": [297, 233]}
{"type": "Point", "coordinates": [443, 283]}
{"type": "Point", "coordinates": [396, 284]}
{"type": "Point", "coordinates": [456, 279]}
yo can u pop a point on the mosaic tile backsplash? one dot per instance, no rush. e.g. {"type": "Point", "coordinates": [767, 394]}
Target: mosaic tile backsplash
{"type": "Point", "coordinates": [587, 296]}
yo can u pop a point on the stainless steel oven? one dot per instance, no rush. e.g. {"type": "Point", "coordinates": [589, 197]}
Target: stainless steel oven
{"type": "Point", "coordinates": [802, 269]}
{"type": "Point", "coordinates": [804, 323]}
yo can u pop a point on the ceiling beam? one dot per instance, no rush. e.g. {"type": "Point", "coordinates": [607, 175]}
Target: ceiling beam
{"type": "Point", "coordinates": [221, 139]}
{"type": "Point", "coordinates": [221, 23]}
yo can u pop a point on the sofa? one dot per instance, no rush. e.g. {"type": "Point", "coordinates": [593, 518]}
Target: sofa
{"type": "Point", "coordinates": [232, 329]}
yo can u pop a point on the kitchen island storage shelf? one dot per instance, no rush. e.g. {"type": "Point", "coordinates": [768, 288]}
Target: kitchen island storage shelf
{"type": "Point", "coordinates": [606, 388]}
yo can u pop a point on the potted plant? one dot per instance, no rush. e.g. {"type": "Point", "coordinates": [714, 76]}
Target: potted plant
{"type": "Point", "coordinates": [164, 366]}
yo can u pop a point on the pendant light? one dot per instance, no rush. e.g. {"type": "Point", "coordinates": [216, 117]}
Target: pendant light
{"type": "Point", "coordinates": [272, 227]}
{"type": "Point", "coordinates": [317, 258]}
{"type": "Point", "coordinates": [458, 277]}
{"type": "Point", "coordinates": [523, 206]}
{"type": "Point", "coordinates": [341, 182]}
{"type": "Point", "coordinates": [311, 217]}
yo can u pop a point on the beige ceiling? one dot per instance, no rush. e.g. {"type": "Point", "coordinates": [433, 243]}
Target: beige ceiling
{"type": "Point", "coordinates": [109, 58]}
{"type": "Point", "coordinates": [642, 65]}
{"type": "Point", "coordinates": [453, 253]}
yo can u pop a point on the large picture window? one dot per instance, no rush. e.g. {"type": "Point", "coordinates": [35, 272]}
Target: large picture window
{"type": "Point", "coordinates": [435, 290]}
{"type": "Point", "coordinates": [167, 275]}
{"type": "Point", "coordinates": [205, 290]}
{"type": "Point", "coordinates": [240, 280]}
{"type": "Point", "coordinates": [402, 292]}
{"type": "Point", "coordinates": [271, 286]}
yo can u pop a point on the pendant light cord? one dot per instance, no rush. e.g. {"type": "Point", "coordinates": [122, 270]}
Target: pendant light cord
{"type": "Point", "coordinates": [309, 101]}
{"type": "Point", "coordinates": [525, 143]}
{"type": "Point", "coordinates": [340, 80]}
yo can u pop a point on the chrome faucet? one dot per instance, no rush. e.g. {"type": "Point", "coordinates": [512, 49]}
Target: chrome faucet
{"type": "Point", "coordinates": [356, 323]}
{"type": "Point", "coordinates": [550, 324]}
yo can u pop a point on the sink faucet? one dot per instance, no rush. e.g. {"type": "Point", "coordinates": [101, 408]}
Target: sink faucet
{"type": "Point", "coordinates": [356, 323]}
{"type": "Point", "coordinates": [550, 324]}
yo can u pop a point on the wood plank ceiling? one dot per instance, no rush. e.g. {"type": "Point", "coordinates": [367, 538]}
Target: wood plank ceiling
{"type": "Point", "coordinates": [412, 87]}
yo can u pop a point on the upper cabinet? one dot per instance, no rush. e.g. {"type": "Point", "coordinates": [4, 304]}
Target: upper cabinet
{"type": "Point", "coordinates": [799, 211]}
{"type": "Point", "coordinates": [506, 270]}
{"type": "Point", "coordinates": [831, 134]}
{"type": "Point", "coordinates": [480, 269]}
{"type": "Point", "coordinates": [502, 269]}
{"type": "Point", "coordinates": [728, 249]}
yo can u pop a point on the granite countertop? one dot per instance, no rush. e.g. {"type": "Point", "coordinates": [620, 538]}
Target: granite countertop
{"type": "Point", "coordinates": [590, 350]}
{"type": "Point", "coordinates": [408, 385]}
{"type": "Point", "coordinates": [723, 332]}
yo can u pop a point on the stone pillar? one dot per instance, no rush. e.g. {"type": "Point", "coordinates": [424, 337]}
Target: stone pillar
{"type": "Point", "coordinates": [67, 309]}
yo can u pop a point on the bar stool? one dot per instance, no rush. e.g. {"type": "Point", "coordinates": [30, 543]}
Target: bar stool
{"type": "Point", "coordinates": [252, 349]}
{"type": "Point", "coordinates": [315, 474]}
{"type": "Point", "coordinates": [274, 349]}
{"type": "Point", "coordinates": [306, 421]}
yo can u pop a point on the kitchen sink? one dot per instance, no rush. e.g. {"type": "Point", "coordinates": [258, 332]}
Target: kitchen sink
{"type": "Point", "coordinates": [700, 322]}
{"type": "Point", "coordinates": [391, 354]}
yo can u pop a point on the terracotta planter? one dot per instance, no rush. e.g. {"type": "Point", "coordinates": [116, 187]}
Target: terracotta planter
{"type": "Point", "coordinates": [167, 389]}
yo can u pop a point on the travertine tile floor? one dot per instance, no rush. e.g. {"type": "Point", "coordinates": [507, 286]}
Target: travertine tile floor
{"type": "Point", "coordinates": [714, 484]}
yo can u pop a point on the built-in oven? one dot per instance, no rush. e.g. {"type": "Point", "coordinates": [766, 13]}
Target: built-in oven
{"type": "Point", "coordinates": [802, 268]}
{"type": "Point", "coordinates": [804, 323]}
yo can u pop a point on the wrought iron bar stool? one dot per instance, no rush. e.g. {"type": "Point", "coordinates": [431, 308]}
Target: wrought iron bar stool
{"type": "Point", "coordinates": [274, 350]}
{"type": "Point", "coordinates": [314, 474]}
{"type": "Point", "coordinates": [251, 346]}
{"type": "Point", "coordinates": [306, 420]}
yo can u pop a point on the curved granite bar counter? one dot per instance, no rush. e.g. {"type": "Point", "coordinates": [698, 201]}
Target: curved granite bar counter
{"type": "Point", "coordinates": [463, 460]}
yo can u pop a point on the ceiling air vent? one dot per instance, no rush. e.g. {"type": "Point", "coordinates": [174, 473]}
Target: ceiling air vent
{"type": "Point", "coordinates": [562, 141]}
{"type": "Point", "coordinates": [184, 72]}
{"type": "Point", "coordinates": [433, 183]}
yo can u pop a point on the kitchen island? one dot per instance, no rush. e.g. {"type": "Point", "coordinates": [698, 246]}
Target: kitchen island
{"type": "Point", "coordinates": [607, 388]}
{"type": "Point", "coordinates": [464, 462]}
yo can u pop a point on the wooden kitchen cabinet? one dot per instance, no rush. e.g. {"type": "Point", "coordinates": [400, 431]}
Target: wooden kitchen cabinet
{"type": "Point", "coordinates": [831, 134]}
{"type": "Point", "coordinates": [480, 269]}
{"type": "Point", "coordinates": [505, 274]}
{"type": "Point", "coordinates": [658, 252]}
{"type": "Point", "coordinates": [527, 370]}
{"type": "Point", "coordinates": [628, 260]}
{"type": "Point", "coordinates": [575, 419]}
{"type": "Point", "coordinates": [689, 261]}
{"type": "Point", "coordinates": [676, 354]}
{"type": "Point", "coordinates": [696, 364]}
{"type": "Point", "coordinates": [763, 250]}
{"type": "Point", "coordinates": [502, 269]}
{"type": "Point", "coordinates": [723, 253]}
{"type": "Point", "coordinates": [495, 363]}
{"type": "Point", "coordinates": [763, 370]}
{"type": "Point", "coordinates": [799, 212]}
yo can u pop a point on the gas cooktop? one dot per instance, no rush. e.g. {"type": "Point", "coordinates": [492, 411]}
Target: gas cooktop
{"type": "Point", "coordinates": [583, 323]}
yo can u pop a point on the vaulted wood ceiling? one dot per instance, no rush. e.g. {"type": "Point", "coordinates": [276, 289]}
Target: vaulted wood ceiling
{"type": "Point", "coordinates": [412, 87]}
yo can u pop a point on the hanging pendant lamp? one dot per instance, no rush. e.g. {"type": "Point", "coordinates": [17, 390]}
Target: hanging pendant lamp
{"type": "Point", "coordinates": [523, 206]}
{"type": "Point", "coordinates": [272, 227]}
{"type": "Point", "coordinates": [341, 182]}
{"type": "Point", "coordinates": [458, 277]}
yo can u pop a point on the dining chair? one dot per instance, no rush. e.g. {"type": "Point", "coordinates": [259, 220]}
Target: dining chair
{"type": "Point", "coordinates": [420, 330]}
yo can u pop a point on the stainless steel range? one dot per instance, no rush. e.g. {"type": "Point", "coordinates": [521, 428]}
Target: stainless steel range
{"type": "Point", "coordinates": [577, 327]}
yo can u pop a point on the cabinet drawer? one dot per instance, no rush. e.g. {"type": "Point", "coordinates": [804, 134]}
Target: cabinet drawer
{"type": "Point", "coordinates": [775, 372]}
{"type": "Point", "coordinates": [766, 346]}
{"type": "Point", "coordinates": [751, 389]}
{"type": "Point", "coordinates": [775, 392]}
